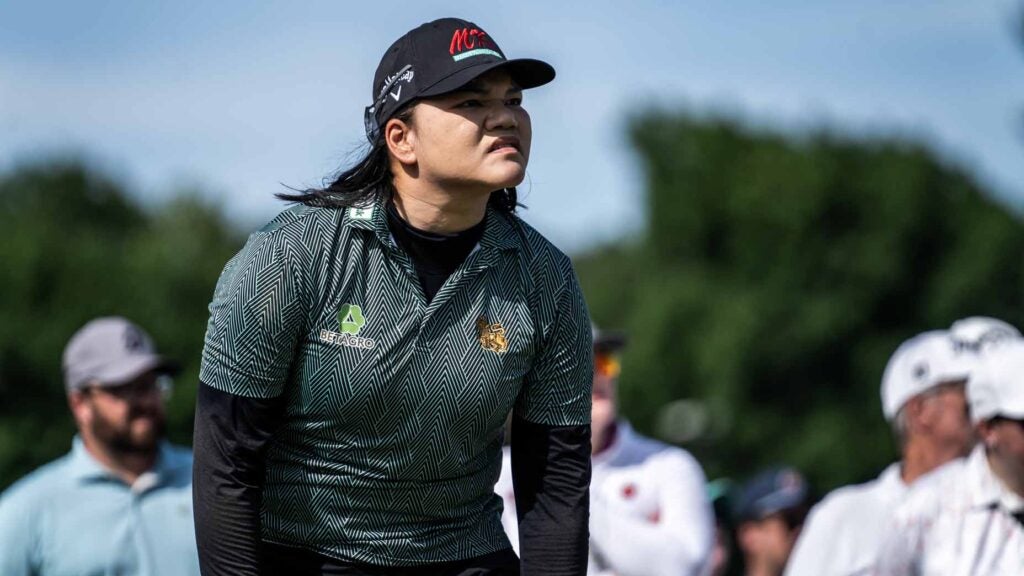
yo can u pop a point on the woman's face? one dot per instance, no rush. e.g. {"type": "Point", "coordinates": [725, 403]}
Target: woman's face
{"type": "Point", "coordinates": [475, 138]}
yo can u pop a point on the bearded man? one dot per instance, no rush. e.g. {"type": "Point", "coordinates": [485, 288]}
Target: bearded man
{"type": "Point", "coordinates": [121, 501]}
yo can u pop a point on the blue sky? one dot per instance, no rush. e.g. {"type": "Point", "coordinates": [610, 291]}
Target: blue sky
{"type": "Point", "coordinates": [236, 98]}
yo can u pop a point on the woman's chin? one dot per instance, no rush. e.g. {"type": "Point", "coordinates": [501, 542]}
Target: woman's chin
{"type": "Point", "coordinates": [511, 178]}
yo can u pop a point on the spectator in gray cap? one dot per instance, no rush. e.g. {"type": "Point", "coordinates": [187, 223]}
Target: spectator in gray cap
{"type": "Point", "coordinates": [121, 501]}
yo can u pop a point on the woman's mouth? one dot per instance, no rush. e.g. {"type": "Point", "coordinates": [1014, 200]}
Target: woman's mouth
{"type": "Point", "coordinates": [505, 144]}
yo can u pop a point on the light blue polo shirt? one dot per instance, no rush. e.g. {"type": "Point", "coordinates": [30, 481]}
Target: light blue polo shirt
{"type": "Point", "coordinates": [74, 517]}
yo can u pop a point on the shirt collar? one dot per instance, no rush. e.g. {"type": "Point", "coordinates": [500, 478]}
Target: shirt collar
{"type": "Point", "coordinates": [986, 489]}
{"type": "Point", "coordinates": [892, 477]}
{"type": "Point", "coordinates": [84, 467]}
{"type": "Point", "coordinates": [624, 435]}
{"type": "Point", "coordinates": [500, 233]}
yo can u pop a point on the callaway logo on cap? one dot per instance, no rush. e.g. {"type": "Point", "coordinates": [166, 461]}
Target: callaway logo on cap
{"type": "Point", "coordinates": [440, 57]}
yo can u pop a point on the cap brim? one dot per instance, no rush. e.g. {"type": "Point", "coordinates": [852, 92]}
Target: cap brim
{"type": "Point", "coordinates": [779, 502]}
{"type": "Point", "coordinates": [526, 72]}
{"type": "Point", "coordinates": [129, 370]}
{"type": "Point", "coordinates": [609, 341]}
{"type": "Point", "coordinates": [770, 504]}
{"type": "Point", "coordinates": [1011, 408]}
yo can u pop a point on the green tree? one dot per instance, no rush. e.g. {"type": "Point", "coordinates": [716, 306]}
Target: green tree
{"type": "Point", "coordinates": [76, 247]}
{"type": "Point", "coordinates": [777, 274]}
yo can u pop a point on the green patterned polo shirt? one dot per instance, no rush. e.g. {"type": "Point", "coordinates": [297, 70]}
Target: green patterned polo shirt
{"type": "Point", "coordinates": [390, 445]}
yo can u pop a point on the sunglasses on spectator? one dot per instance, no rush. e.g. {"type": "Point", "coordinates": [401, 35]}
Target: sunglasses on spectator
{"type": "Point", "coordinates": [607, 364]}
{"type": "Point", "coordinates": [161, 385]}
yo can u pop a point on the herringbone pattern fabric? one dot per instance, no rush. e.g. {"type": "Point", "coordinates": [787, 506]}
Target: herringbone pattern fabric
{"type": "Point", "coordinates": [390, 446]}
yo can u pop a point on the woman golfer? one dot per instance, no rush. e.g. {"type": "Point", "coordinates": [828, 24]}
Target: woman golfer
{"type": "Point", "coordinates": [365, 348]}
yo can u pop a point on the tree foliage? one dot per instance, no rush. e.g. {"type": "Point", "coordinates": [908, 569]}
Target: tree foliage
{"type": "Point", "coordinates": [778, 273]}
{"type": "Point", "coordinates": [774, 277]}
{"type": "Point", "coordinates": [77, 247]}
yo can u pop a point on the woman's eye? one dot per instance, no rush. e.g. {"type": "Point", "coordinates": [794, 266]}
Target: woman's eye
{"type": "Point", "coordinates": [515, 101]}
{"type": "Point", "coordinates": [469, 104]}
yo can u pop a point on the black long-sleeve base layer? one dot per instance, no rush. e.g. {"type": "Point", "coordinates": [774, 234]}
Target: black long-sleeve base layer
{"type": "Point", "coordinates": [551, 480]}
{"type": "Point", "coordinates": [551, 472]}
{"type": "Point", "coordinates": [230, 441]}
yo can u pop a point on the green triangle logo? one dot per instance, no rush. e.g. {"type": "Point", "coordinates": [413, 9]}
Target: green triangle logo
{"type": "Point", "coordinates": [350, 318]}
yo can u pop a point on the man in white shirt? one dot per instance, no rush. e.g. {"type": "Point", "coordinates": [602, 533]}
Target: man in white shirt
{"type": "Point", "coordinates": [965, 519]}
{"type": "Point", "coordinates": [649, 512]}
{"type": "Point", "coordinates": [923, 400]}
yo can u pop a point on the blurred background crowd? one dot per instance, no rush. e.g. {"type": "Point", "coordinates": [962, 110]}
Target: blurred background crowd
{"type": "Point", "coordinates": [766, 274]}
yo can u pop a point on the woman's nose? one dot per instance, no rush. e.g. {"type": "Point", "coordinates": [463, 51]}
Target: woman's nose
{"type": "Point", "coordinates": [503, 116]}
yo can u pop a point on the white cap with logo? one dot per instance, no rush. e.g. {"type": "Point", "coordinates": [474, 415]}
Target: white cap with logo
{"type": "Point", "coordinates": [996, 388]}
{"type": "Point", "coordinates": [921, 363]}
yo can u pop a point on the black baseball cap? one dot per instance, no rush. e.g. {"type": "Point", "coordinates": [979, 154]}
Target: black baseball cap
{"type": "Point", "coordinates": [606, 340]}
{"type": "Point", "coordinates": [772, 491]}
{"type": "Point", "coordinates": [440, 57]}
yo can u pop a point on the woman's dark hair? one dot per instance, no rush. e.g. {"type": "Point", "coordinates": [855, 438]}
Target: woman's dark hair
{"type": "Point", "coordinates": [371, 179]}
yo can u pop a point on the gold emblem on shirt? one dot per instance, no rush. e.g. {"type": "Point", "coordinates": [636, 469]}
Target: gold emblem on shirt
{"type": "Point", "coordinates": [492, 336]}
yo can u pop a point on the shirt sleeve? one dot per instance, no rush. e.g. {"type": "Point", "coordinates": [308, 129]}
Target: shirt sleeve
{"type": "Point", "coordinates": [556, 391]}
{"type": "Point", "coordinates": [256, 317]}
{"type": "Point", "coordinates": [231, 436]}
{"type": "Point", "coordinates": [551, 477]}
{"type": "Point", "coordinates": [678, 543]}
{"type": "Point", "coordinates": [813, 554]}
{"type": "Point", "coordinates": [18, 551]}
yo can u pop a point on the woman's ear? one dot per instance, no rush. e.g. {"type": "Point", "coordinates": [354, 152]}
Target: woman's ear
{"type": "Point", "coordinates": [400, 140]}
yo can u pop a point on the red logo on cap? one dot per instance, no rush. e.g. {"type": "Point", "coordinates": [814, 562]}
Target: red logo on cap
{"type": "Point", "coordinates": [469, 39]}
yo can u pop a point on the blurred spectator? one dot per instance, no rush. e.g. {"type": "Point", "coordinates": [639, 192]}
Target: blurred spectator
{"type": "Point", "coordinates": [967, 517]}
{"type": "Point", "coordinates": [121, 501]}
{"type": "Point", "coordinates": [923, 400]}
{"type": "Point", "coordinates": [770, 511]}
{"type": "Point", "coordinates": [723, 559]}
{"type": "Point", "coordinates": [649, 513]}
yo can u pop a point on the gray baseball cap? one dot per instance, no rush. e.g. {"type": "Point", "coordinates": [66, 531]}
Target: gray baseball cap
{"type": "Point", "coordinates": [110, 351]}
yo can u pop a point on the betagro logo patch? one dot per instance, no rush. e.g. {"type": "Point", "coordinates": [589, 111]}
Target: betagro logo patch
{"type": "Point", "coordinates": [350, 322]}
{"type": "Point", "coordinates": [350, 318]}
